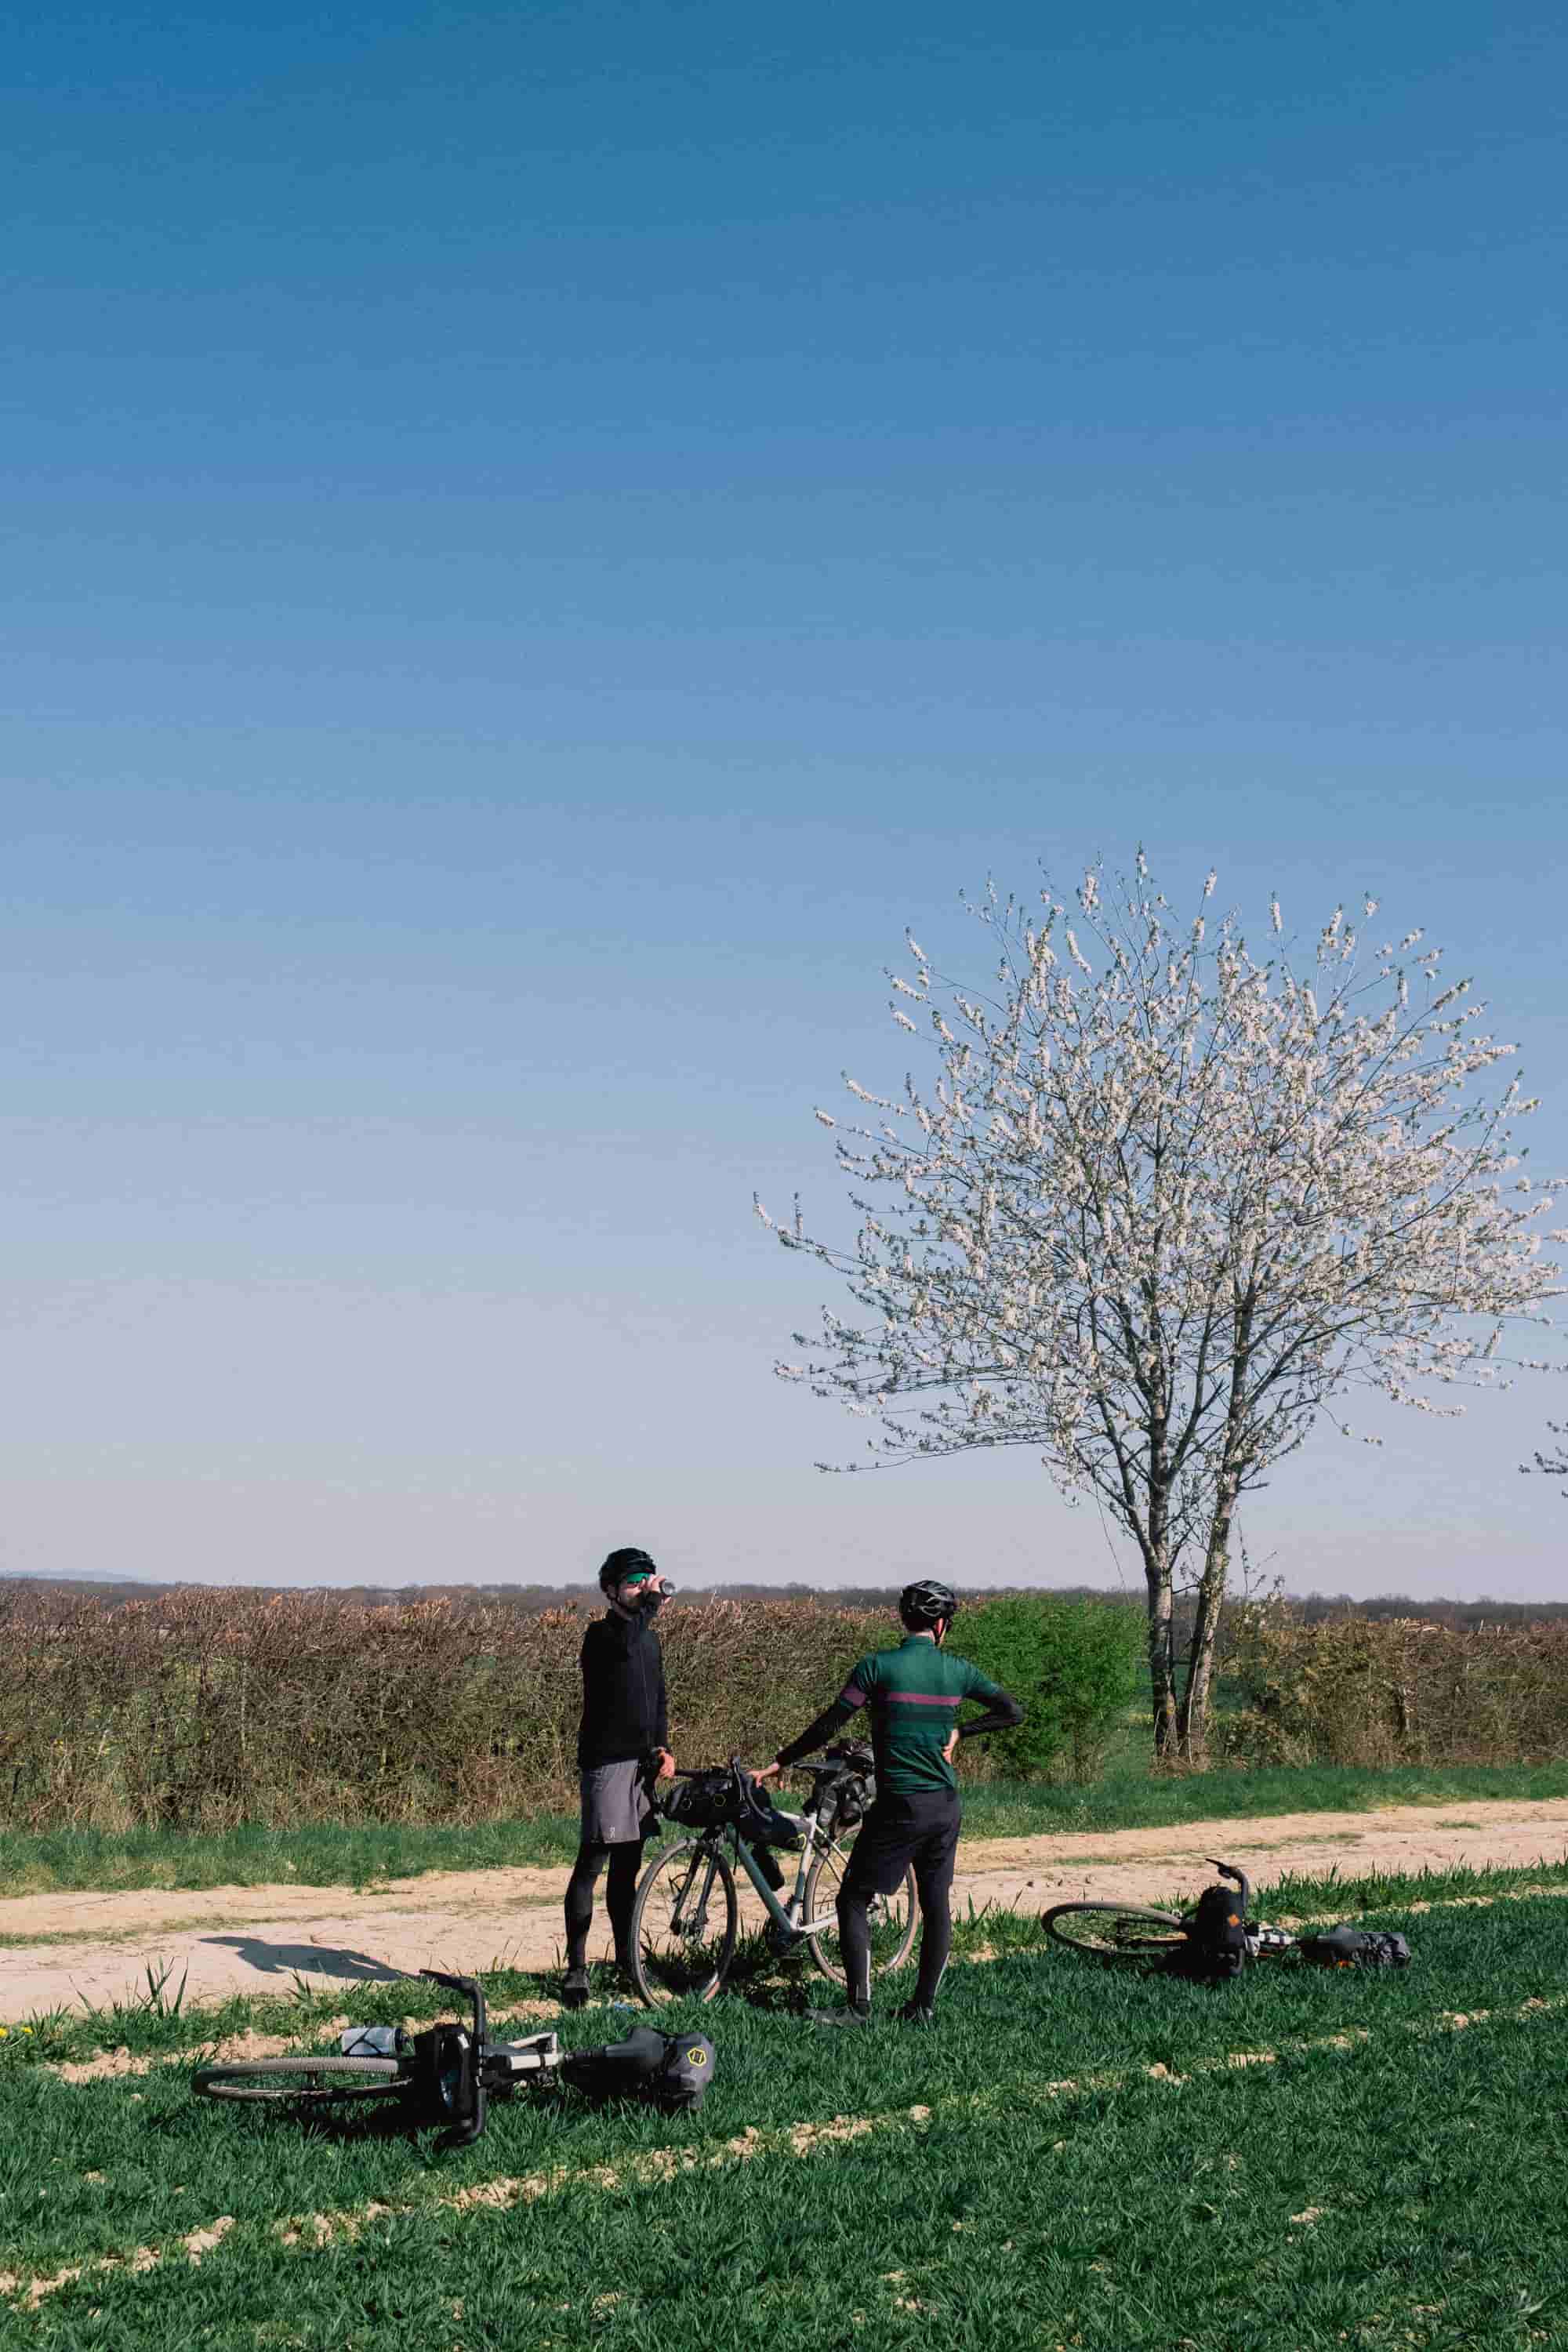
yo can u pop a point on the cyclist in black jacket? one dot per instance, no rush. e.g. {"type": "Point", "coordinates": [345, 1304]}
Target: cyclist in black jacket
{"type": "Point", "coordinates": [621, 1744]}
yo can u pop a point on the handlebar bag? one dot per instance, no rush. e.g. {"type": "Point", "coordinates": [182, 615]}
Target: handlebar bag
{"type": "Point", "coordinates": [709, 1799]}
{"type": "Point", "coordinates": [700, 1802]}
{"type": "Point", "coordinates": [444, 2078]}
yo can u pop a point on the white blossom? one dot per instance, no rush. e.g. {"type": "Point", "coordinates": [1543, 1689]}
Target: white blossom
{"type": "Point", "coordinates": [1150, 1223]}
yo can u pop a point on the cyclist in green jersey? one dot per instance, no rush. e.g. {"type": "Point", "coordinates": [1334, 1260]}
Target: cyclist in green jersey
{"type": "Point", "coordinates": [914, 1693]}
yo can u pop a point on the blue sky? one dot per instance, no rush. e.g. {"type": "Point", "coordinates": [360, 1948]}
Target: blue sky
{"type": "Point", "coordinates": [539, 538]}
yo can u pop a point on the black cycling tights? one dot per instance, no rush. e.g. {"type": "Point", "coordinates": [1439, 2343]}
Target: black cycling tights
{"type": "Point", "coordinates": [626, 1867]}
{"type": "Point", "coordinates": [855, 1941]}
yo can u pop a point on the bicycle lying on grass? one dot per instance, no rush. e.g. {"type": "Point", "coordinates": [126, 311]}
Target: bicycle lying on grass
{"type": "Point", "coordinates": [1215, 1939]}
{"type": "Point", "coordinates": [449, 2073]}
{"type": "Point", "coordinates": [686, 1922]}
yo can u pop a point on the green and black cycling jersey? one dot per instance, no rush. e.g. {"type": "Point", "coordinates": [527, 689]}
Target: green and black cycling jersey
{"type": "Point", "coordinates": [914, 1693]}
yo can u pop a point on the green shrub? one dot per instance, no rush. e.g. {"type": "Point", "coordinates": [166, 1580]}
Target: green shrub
{"type": "Point", "coordinates": [1072, 1665]}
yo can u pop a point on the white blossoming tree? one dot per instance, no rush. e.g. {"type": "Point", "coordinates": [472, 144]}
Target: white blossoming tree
{"type": "Point", "coordinates": [1164, 1201]}
{"type": "Point", "coordinates": [1555, 1464]}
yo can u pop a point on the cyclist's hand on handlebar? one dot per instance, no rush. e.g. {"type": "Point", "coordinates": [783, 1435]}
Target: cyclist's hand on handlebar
{"type": "Point", "coordinates": [767, 1772]}
{"type": "Point", "coordinates": [663, 1764]}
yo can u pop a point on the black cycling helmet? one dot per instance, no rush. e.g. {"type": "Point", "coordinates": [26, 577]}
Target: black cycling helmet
{"type": "Point", "coordinates": [927, 1603]}
{"type": "Point", "coordinates": [629, 1561]}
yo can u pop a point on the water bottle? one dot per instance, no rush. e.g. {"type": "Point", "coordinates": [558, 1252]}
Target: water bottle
{"type": "Point", "coordinates": [371, 2041]}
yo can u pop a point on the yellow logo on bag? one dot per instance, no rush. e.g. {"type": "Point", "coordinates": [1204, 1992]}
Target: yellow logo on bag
{"type": "Point", "coordinates": [697, 2057]}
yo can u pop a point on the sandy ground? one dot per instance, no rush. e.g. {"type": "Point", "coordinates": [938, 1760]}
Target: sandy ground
{"type": "Point", "coordinates": [260, 1939]}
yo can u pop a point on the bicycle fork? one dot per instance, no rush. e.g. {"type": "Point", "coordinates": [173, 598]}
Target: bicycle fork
{"type": "Point", "coordinates": [689, 1917]}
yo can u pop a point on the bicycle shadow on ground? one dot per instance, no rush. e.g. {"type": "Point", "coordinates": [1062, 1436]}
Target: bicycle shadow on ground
{"type": "Point", "coordinates": [775, 1985]}
{"type": "Point", "coordinates": [309, 1960]}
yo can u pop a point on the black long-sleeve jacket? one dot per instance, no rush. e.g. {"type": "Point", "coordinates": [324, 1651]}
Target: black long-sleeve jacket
{"type": "Point", "coordinates": [624, 1711]}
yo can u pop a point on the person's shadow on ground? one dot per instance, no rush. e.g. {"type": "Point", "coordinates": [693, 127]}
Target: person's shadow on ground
{"type": "Point", "coordinates": [309, 1960]}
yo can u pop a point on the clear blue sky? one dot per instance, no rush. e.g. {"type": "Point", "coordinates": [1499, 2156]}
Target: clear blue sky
{"type": "Point", "coordinates": [538, 538]}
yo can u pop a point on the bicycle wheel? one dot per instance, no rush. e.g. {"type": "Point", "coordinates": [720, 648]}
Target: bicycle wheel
{"type": "Point", "coordinates": [305, 2081]}
{"type": "Point", "coordinates": [1114, 1931]}
{"type": "Point", "coordinates": [684, 1925]}
{"type": "Point", "coordinates": [892, 1919]}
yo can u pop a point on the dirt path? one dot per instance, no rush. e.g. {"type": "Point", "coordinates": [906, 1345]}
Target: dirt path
{"type": "Point", "coordinates": [258, 1939]}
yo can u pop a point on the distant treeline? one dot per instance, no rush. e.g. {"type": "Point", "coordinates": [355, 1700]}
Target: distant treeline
{"type": "Point", "coordinates": [536, 1599]}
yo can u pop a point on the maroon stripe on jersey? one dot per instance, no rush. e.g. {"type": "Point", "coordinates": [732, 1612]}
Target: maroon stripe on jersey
{"type": "Point", "coordinates": [851, 1695]}
{"type": "Point", "coordinates": [919, 1698]}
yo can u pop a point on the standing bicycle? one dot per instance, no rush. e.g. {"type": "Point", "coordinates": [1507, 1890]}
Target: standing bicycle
{"type": "Point", "coordinates": [686, 1923]}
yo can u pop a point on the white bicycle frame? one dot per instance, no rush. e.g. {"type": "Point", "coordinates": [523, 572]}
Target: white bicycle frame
{"type": "Point", "coordinates": [788, 1913]}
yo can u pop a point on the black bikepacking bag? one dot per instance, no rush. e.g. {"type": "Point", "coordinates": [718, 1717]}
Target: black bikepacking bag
{"type": "Point", "coordinates": [712, 1800]}
{"type": "Point", "coordinates": [1355, 1947]}
{"type": "Point", "coordinates": [1216, 1939]}
{"type": "Point", "coordinates": [851, 1799]}
{"type": "Point", "coordinates": [668, 2071]}
{"type": "Point", "coordinates": [703, 1801]}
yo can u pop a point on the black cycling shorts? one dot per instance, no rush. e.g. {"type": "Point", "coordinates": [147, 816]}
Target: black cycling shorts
{"type": "Point", "coordinates": [901, 1830]}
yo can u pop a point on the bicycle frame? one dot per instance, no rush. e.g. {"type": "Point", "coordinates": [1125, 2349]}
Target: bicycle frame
{"type": "Point", "coordinates": [787, 1917]}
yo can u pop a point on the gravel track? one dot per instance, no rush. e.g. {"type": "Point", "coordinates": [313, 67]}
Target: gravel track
{"type": "Point", "coordinates": [258, 1939]}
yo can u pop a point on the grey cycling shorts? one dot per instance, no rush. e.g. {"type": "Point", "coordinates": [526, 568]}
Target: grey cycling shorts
{"type": "Point", "coordinates": [616, 1807]}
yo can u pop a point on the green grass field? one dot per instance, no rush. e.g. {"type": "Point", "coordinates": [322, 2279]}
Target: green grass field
{"type": "Point", "coordinates": [1072, 2158]}
{"type": "Point", "coordinates": [1127, 1797]}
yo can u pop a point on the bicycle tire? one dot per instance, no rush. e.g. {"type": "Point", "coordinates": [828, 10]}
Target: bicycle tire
{"type": "Point", "coordinates": [303, 2081]}
{"type": "Point", "coordinates": [1123, 1935]}
{"type": "Point", "coordinates": [892, 1936]}
{"type": "Point", "coordinates": [668, 1962]}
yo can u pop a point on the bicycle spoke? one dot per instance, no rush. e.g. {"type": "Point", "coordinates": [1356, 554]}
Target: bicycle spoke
{"type": "Point", "coordinates": [1115, 1931]}
{"type": "Point", "coordinates": [685, 1925]}
{"type": "Point", "coordinates": [890, 1917]}
{"type": "Point", "coordinates": [304, 2081]}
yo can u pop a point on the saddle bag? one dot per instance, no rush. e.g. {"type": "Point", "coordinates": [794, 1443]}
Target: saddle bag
{"type": "Point", "coordinates": [668, 2071]}
{"type": "Point", "coordinates": [1355, 1947]}
{"type": "Point", "coordinates": [852, 1798]}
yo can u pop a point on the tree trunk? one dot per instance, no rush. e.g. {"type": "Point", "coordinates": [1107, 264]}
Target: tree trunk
{"type": "Point", "coordinates": [1163, 1660]}
{"type": "Point", "coordinates": [1194, 1725]}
